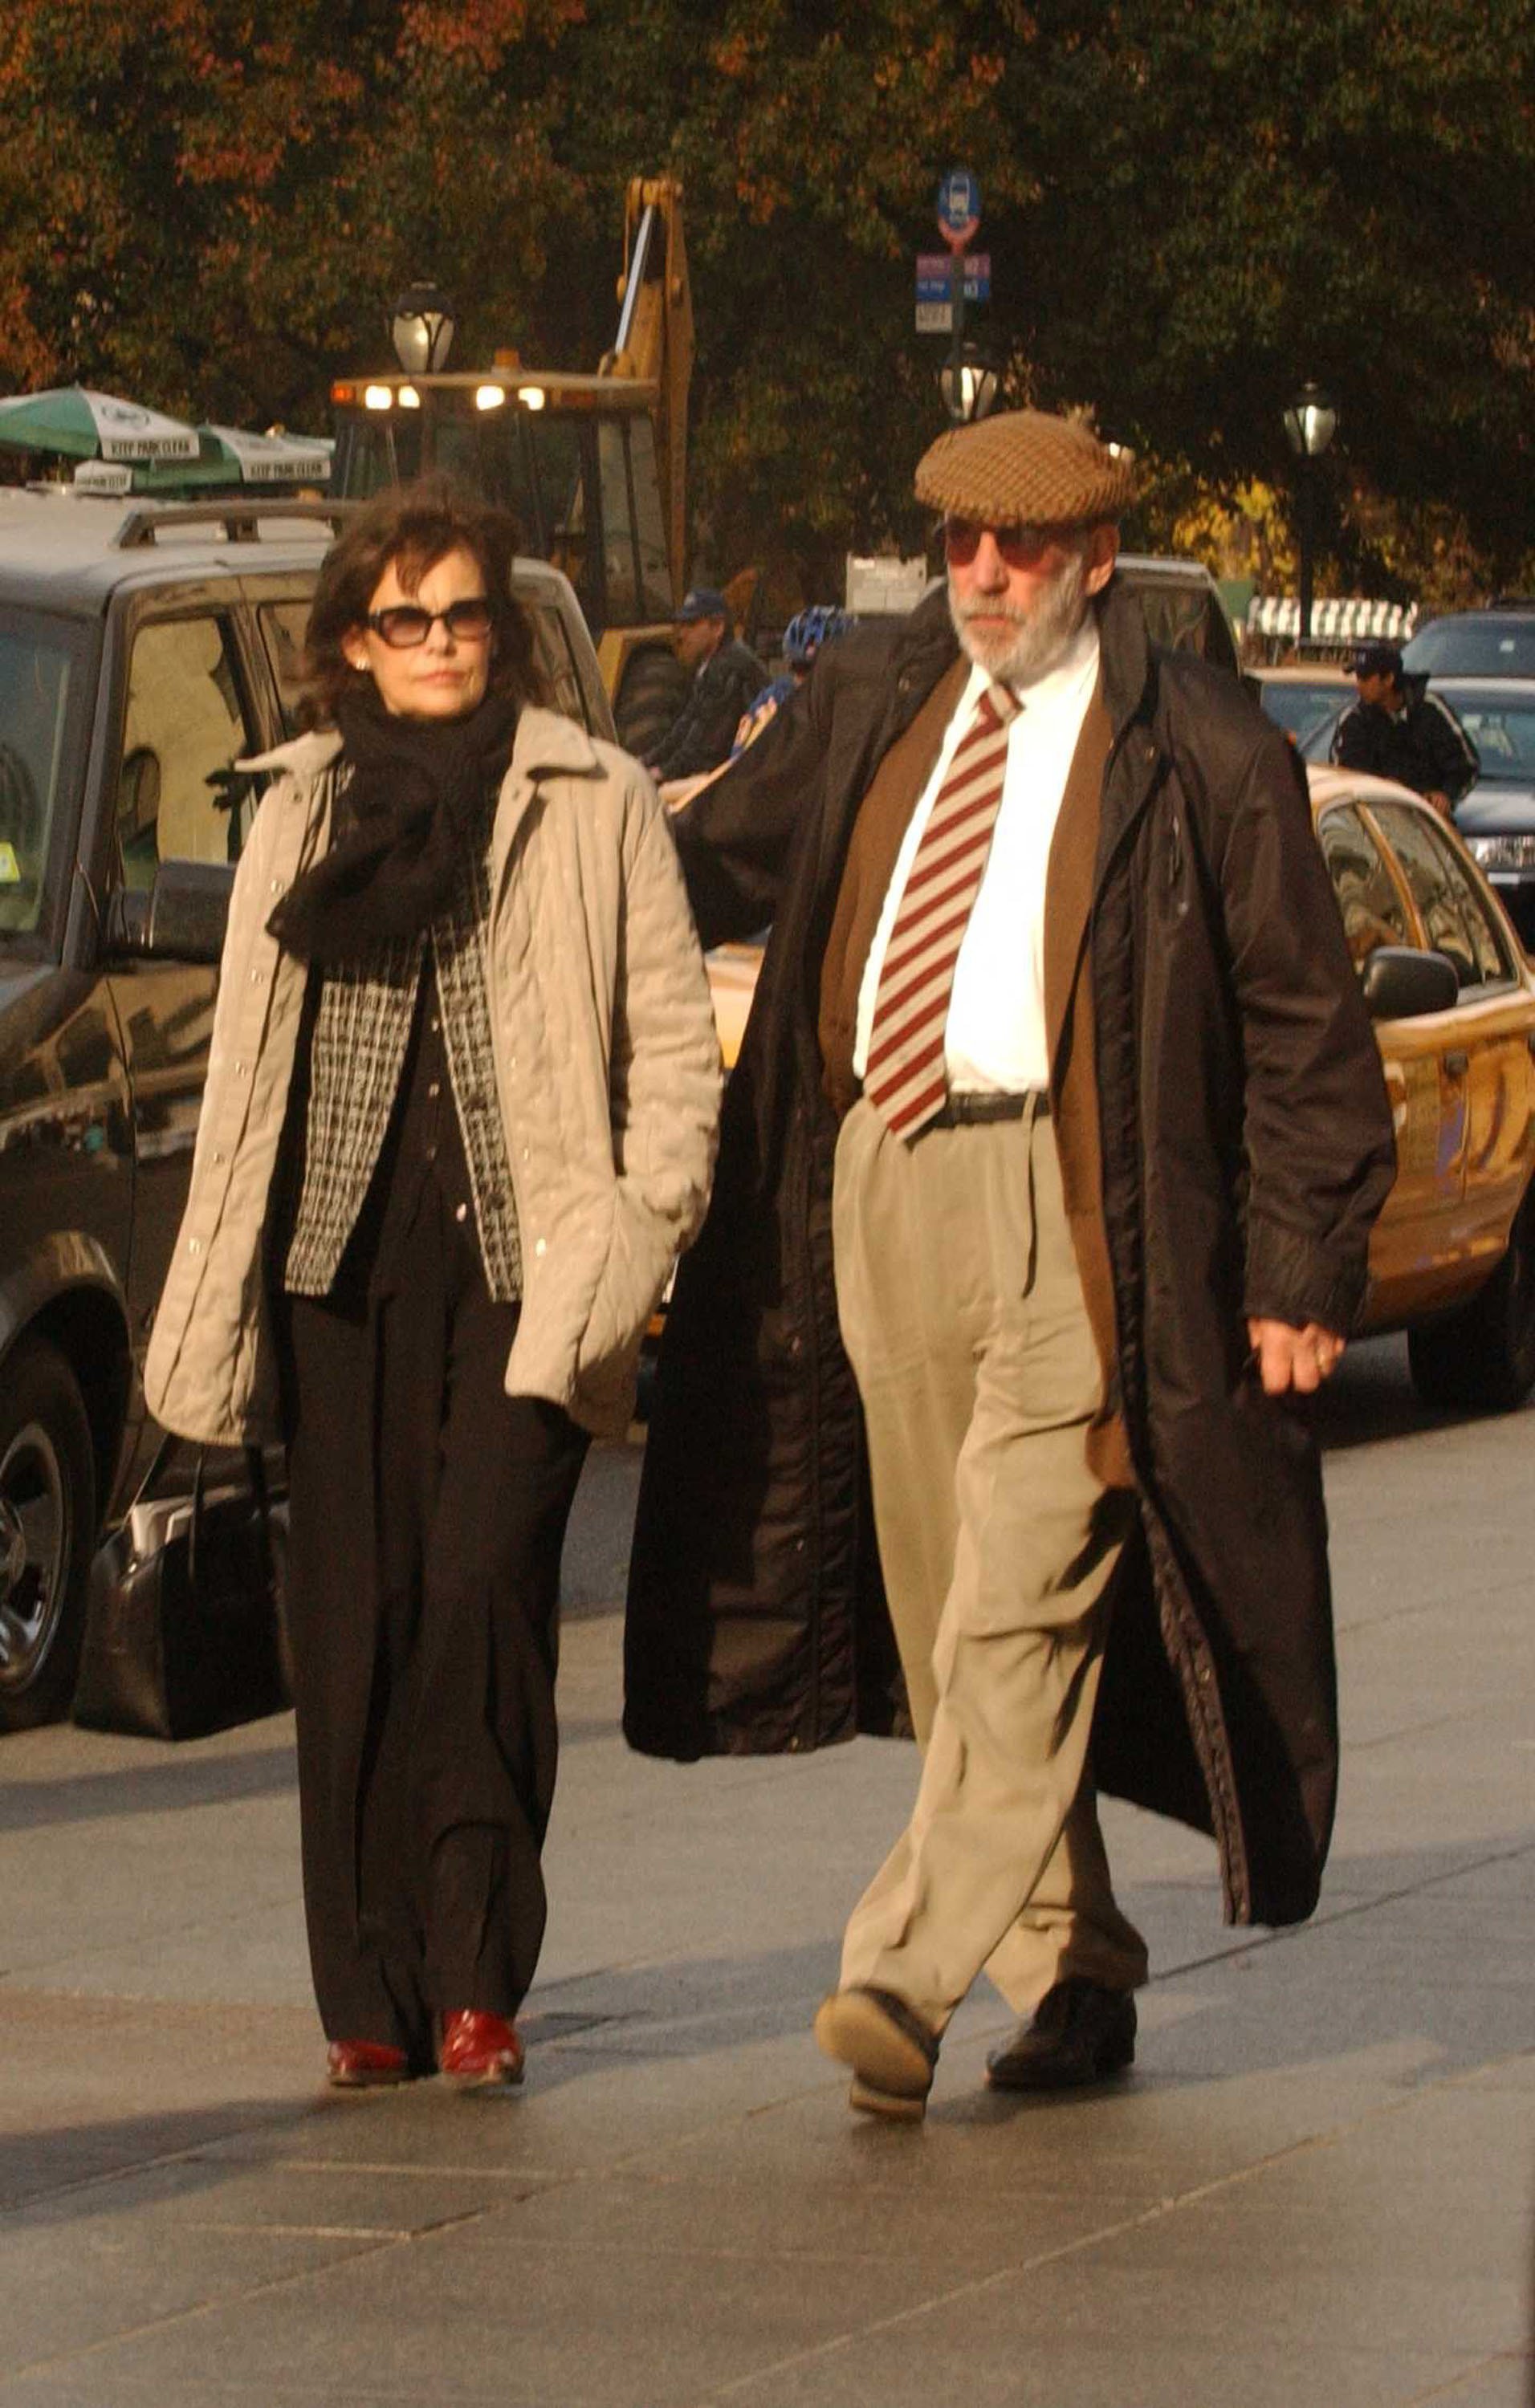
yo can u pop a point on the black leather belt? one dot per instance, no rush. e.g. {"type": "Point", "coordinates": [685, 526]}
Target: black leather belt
{"type": "Point", "coordinates": [961, 1109]}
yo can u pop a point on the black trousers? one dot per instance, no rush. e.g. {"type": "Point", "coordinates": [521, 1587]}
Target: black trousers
{"type": "Point", "coordinates": [427, 1513]}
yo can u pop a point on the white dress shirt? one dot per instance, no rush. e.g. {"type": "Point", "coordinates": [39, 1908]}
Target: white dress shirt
{"type": "Point", "coordinates": [995, 1034]}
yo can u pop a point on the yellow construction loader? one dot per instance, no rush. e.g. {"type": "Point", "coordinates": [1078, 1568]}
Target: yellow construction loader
{"type": "Point", "coordinates": [595, 466]}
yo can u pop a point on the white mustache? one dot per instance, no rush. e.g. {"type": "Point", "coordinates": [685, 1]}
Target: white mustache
{"type": "Point", "coordinates": [998, 609]}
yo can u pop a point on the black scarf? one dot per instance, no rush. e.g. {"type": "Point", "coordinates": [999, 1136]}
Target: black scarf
{"type": "Point", "coordinates": [409, 813]}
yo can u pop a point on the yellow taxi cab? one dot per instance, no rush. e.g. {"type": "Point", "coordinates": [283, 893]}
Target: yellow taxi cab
{"type": "Point", "coordinates": [1451, 995]}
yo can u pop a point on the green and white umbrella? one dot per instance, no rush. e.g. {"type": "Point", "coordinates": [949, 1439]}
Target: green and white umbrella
{"type": "Point", "coordinates": [271, 459]}
{"type": "Point", "coordinates": [230, 456]}
{"type": "Point", "coordinates": [88, 425]}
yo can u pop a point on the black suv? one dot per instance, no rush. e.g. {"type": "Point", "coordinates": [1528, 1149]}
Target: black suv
{"type": "Point", "coordinates": [145, 650]}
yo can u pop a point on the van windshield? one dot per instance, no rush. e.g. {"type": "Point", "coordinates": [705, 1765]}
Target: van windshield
{"type": "Point", "coordinates": [39, 673]}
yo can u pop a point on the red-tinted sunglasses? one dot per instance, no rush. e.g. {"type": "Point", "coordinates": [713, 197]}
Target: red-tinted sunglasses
{"type": "Point", "coordinates": [1021, 547]}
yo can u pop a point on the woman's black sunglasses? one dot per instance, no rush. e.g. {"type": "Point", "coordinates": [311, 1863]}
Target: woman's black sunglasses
{"type": "Point", "coordinates": [407, 624]}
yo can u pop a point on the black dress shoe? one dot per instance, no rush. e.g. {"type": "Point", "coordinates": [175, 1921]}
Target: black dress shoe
{"type": "Point", "coordinates": [891, 2050]}
{"type": "Point", "coordinates": [1081, 2033]}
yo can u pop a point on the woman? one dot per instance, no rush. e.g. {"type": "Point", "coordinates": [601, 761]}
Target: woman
{"type": "Point", "coordinates": [459, 1115]}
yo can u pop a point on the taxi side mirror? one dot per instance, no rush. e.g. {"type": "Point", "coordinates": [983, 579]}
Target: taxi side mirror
{"type": "Point", "coordinates": [1400, 983]}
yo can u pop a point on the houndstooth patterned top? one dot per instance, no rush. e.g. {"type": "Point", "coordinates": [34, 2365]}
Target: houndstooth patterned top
{"type": "Point", "coordinates": [362, 1031]}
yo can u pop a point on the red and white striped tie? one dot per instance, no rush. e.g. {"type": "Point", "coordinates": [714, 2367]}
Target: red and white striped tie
{"type": "Point", "coordinates": [905, 1079]}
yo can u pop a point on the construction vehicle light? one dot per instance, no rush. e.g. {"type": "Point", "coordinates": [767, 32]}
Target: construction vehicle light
{"type": "Point", "coordinates": [410, 398]}
{"type": "Point", "coordinates": [378, 397]}
{"type": "Point", "coordinates": [490, 396]}
{"type": "Point", "coordinates": [532, 396]}
{"type": "Point", "coordinates": [345, 394]}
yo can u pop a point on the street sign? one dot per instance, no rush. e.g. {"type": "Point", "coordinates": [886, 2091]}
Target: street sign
{"type": "Point", "coordinates": [959, 207]}
{"type": "Point", "coordinates": [935, 318]}
{"type": "Point", "coordinates": [934, 272]}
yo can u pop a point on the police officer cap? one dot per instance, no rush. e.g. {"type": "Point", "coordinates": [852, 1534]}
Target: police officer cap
{"type": "Point", "coordinates": [1027, 467]}
{"type": "Point", "coordinates": [1375, 659]}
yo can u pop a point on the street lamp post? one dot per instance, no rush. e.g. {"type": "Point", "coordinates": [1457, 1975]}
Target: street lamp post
{"type": "Point", "coordinates": [1310, 423]}
{"type": "Point", "coordinates": [950, 376]}
{"type": "Point", "coordinates": [967, 380]}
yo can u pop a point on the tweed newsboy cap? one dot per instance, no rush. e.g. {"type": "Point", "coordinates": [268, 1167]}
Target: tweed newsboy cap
{"type": "Point", "coordinates": [1025, 468]}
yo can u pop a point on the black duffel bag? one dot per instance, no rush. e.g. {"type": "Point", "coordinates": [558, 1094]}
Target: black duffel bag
{"type": "Point", "coordinates": [184, 1631]}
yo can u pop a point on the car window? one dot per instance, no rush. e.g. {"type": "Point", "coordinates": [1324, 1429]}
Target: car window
{"type": "Point", "coordinates": [41, 719]}
{"type": "Point", "coordinates": [282, 625]}
{"type": "Point", "coordinates": [1502, 733]}
{"type": "Point", "coordinates": [1372, 909]}
{"type": "Point", "coordinates": [1456, 921]}
{"type": "Point", "coordinates": [1471, 646]}
{"type": "Point", "coordinates": [1298, 707]}
{"type": "Point", "coordinates": [179, 796]}
{"type": "Point", "coordinates": [565, 464]}
{"type": "Point", "coordinates": [552, 650]}
{"type": "Point", "coordinates": [638, 584]}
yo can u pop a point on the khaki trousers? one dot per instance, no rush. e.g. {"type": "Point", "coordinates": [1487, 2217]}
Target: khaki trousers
{"type": "Point", "coordinates": [962, 1313]}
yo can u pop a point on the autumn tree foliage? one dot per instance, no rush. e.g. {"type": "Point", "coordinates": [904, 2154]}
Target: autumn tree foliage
{"type": "Point", "coordinates": [210, 203]}
{"type": "Point", "coordinates": [1191, 206]}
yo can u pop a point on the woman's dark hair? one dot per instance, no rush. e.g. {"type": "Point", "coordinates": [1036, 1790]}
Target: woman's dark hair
{"type": "Point", "coordinates": [412, 529]}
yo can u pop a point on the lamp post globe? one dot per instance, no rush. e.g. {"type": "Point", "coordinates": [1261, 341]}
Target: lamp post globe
{"type": "Point", "coordinates": [1311, 422]}
{"type": "Point", "coordinates": [421, 327]}
{"type": "Point", "coordinates": [967, 383]}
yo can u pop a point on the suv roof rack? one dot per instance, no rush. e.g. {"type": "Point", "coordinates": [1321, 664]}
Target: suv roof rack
{"type": "Point", "coordinates": [141, 527]}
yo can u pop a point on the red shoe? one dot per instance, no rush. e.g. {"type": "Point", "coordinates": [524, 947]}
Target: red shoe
{"type": "Point", "coordinates": [365, 2064]}
{"type": "Point", "coordinates": [477, 2051]}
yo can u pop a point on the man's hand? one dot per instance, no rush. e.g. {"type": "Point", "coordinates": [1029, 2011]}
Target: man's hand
{"type": "Point", "coordinates": [1287, 1357]}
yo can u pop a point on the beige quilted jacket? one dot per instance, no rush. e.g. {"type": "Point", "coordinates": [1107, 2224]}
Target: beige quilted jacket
{"type": "Point", "coordinates": [608, 1072]}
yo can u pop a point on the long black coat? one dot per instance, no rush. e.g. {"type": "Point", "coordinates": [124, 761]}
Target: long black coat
{"type": "Point", "coordinates": [1246, 1148]}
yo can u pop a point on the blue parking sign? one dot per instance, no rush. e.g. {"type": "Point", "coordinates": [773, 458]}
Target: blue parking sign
{"type": "Point", "coordinates": [958, 204]}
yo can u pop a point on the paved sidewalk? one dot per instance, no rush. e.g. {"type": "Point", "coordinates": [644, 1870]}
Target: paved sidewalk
{"type": "Point", "coordinates": [1316, 2189]}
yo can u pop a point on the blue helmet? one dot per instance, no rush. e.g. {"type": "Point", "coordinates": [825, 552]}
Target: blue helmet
{"type": "Point", "coordinates": [808, 630]}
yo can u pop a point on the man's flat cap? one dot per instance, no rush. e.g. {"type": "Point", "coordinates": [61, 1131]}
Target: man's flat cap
{"type": "Point", "coordinates": [1025, 468]}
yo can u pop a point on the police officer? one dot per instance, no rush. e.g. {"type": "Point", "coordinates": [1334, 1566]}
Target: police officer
{"type": "Point", "coordinates": [1398, 730]}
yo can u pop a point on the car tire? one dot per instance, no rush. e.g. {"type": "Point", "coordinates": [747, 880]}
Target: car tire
{"type": "Point", "coordinates": [653, 691]}
{"type": "Point", "coordinates": [48, 1523]}
{"type": "Point", "coordinates": [1483, 1355]}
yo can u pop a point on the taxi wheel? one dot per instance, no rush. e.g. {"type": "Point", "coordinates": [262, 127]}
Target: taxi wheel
{"type": "Point", "coordinates": [1482, 1356]}
{"type": "Point", "coordinates": [47, 1528]}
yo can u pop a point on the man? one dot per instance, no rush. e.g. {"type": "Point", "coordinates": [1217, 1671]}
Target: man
{"type": "Point", "coordinates": [725, 676]}
{"type": "Point", "coordinates": [1398, 730]}
{"type": "Point", "coordinates": [1078, 1168]}
{"type": "Point", "coordinates": [820, 623]}
{"type": "Point", "coordinates": [803, 639]}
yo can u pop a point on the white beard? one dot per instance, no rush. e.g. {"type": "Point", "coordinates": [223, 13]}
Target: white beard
{"type": "Point", "coordinates": [1035, 640]}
